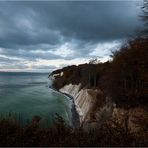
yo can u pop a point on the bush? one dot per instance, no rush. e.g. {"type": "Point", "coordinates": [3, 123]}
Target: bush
{"type": "Point", "coordinates": [110, 134]}
{"type": "Point", "coordinates": [127, 79]}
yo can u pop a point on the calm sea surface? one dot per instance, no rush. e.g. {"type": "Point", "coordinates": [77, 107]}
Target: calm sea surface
{"type": "Point", "coordinates": [26, 95]}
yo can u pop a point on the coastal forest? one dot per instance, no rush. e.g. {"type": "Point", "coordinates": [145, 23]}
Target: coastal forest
{"type": "Point", "coordinates": [124, 79]}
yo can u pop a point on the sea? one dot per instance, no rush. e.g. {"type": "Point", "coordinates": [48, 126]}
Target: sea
{"type": "Point", "coordinates": [24, 95]}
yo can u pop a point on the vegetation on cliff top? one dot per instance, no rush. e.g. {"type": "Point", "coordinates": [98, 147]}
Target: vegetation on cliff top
{"type": "Point", "coordinates": [87, 74]}
{"type": "Point", "coordinates": [124, 79]}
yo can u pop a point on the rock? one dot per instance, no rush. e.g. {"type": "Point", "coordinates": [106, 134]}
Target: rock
{"type": "Point", "coordinates": [133, 119]}
{"type": "Point", "coordinates": [93, 108]}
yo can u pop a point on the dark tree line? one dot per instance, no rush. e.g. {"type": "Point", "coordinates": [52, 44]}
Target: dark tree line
{"type": "Point", "coordinates": [127, 79]}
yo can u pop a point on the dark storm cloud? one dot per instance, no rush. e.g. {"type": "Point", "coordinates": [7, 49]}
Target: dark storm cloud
{"type": "Point", "coordinates": [27, 23]}
{"type": "Point", "coordinates": [28, 54]}
{"type": "Point", "coordinates": [29, 26]}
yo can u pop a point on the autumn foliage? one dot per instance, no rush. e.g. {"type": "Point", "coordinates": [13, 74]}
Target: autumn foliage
{"type": "Point", "coordinates": [127, 79]}
{"type": "Point", "coordinates": [124, 79]}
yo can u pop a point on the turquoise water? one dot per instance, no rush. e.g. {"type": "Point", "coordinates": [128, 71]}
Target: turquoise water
{"type": "Point", "coordinates": [26, 95]}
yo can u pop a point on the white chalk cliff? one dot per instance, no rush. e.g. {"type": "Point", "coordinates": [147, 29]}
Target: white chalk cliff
{"type": "Point", "coordinates": [85, 100]}
{"type": "Point", "coordinates": [94, 108]}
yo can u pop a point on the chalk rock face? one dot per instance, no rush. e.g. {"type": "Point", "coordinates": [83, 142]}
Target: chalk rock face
{"type": "Point", "coordinates": [71, 89]}
{"type": "Point", "coordinates": [82, 99]}
{"type": "Point", "coordinates": [93, 109]}
{"type": "Point", "coordinates": [84, 102]}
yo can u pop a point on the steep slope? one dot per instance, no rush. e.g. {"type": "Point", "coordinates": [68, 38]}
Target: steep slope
{"type": "Point", "coordinates": [116, 89]}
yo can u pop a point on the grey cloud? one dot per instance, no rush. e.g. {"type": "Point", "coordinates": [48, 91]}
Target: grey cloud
{"type": "Point", "coordinates": [27, 26]}
{"type": "Point", "coordinates": [44, 67]}
{"type": "Point", "coordinates": [54, 22]}
{"type": "Point", "coordinates": [92, 21]}
{"type": "Point", "coordinates": [19, 27]}
{"type": "Point", "coordinates": [28, 55]}
{"type": "Point", "coordinates": [6, 60]}
{"type": "Point", "coordinates": [13, 66]}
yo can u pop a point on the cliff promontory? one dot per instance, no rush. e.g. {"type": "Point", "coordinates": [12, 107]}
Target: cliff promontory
{"type": "Point", "coordinates": [82, 83]}
{"type": "Point", "coordinates": [115, 90]}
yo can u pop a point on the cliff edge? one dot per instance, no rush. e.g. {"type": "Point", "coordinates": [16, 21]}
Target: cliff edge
{"type": "Point", "coordinates": [93, 107]}
{"type": "Point", "coordinates": [115, 90]}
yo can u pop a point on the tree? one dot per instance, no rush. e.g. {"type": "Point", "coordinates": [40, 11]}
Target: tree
{"type": "Point", "coordinates": [127, 79]}
{"type": "Point", "coordinates": [94, 61]}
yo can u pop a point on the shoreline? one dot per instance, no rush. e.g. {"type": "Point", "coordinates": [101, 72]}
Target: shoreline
{"type": "Point", "coordinates": [75, 120]}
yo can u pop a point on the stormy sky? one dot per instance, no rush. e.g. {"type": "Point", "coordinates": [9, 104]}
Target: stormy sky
{"type": "Point", "coordinates": [46, 35]}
